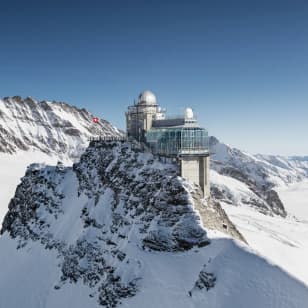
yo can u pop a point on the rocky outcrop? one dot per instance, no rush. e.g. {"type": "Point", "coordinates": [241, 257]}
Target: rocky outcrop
{"type": "Point", "coordinates": [206, 280]}
{"type": "Point", "coordinates": [157, 194]}
{"type": "Point", "coordinates": [214, 217]}
{"type": "Point", "coordinates": [117, 194]}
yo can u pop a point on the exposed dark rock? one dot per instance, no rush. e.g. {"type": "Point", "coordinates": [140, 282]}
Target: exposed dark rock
{"type": "Point", "coordinates": [206, 280]}
{"type": "Point", "coordinates": [214, 217]}
{"type": "Point", "coordinates": [72, 132]}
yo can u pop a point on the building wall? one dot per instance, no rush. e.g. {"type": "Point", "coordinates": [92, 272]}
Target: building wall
{"type": "Point", "coordinates": [139, 121]}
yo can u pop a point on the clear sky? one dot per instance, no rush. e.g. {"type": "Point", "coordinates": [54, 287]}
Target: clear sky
{"type": "Point", "coordinates": [241, 65]}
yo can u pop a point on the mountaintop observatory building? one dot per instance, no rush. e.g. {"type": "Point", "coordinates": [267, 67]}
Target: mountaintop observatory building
{"type": "Point", "coordinates": [176, 137]}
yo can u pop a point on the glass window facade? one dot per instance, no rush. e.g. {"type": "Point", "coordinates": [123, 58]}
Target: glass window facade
{"type": "Point", "coordinates": [172, 141]}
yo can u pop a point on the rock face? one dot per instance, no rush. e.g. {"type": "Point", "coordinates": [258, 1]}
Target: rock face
{"type": "Point", "coordinates": [151, 189]}
{"type": "Point", "coordinates": [114, 191]}
{"type": "Point", "coordinates": [214, 217]}
{"type": "Point", "coordinates": [52, 128]}
{"type": "Point", "coordinates": [254, 178]}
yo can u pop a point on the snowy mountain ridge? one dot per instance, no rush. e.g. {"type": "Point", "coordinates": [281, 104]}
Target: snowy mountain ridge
{"type": "Point", "coordinates": [54, 128]}
{"type": "Point", "coordinates": [240, 178]}
{"type": "Point", "coordinates": [265, 170]}
{"type": "Point", "coordinates": [120, 228]}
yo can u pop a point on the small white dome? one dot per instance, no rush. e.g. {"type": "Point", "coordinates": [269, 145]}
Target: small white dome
{"type": "Point", "coordinates": [189, 113]}
{"type": "Point", "coordinates": [147, 98]}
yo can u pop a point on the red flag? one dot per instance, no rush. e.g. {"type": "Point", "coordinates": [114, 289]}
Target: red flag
{"type": "Point", "coordinates": [95, 120]}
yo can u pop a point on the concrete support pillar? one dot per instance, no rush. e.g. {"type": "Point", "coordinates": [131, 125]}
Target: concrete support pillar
{"type": "Point", "coordinates": [190, 169]}
{"type": "Point", "coordinates": [196, 169]}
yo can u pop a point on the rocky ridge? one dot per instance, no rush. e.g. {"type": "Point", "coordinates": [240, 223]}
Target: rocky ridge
{"type": "Point", "coordinates": [117, 194]}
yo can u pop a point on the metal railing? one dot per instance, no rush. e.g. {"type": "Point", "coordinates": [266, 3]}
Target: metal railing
{"type": "Point", "coordinates": [109, 138]}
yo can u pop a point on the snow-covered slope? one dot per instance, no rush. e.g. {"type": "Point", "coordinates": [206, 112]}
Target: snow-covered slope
{"type": "Point", "coordinates": [32, 131]}
{"type": "Point", "coordinates": [283, 241]}
{"type": "Point", "coordinates": [295, 198]}
{"type": "Point", "coordinates": [121, 227]}
{"type": "Point", "coordinates": [242, 181]}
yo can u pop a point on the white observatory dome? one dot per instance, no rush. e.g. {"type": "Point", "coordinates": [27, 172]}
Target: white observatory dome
{"type": "Point", "coordinates": [147, 98]}
{"type": "Point", "coordinates": [189, 113]}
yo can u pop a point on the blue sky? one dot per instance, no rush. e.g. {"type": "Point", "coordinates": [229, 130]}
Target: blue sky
{"type": "Point", "coordinates": [241, 65]}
